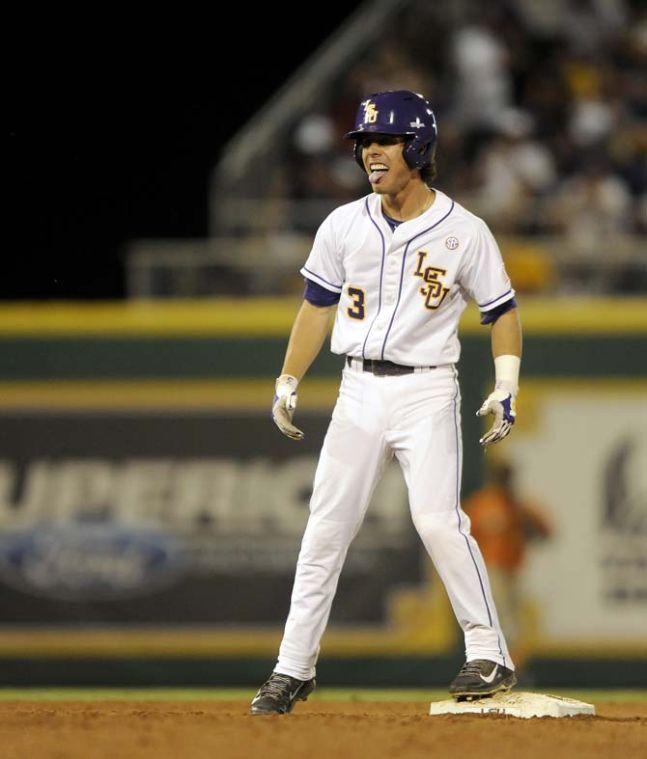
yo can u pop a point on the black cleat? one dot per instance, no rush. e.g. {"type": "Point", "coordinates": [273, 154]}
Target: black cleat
{"type": "Point", "coordinates": [278, 694]}
{"type": "Point", "coordinates": [480, 678]}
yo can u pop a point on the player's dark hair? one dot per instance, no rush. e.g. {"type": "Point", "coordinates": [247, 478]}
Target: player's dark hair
{"type": "Point", "coordinates": [428, 174]}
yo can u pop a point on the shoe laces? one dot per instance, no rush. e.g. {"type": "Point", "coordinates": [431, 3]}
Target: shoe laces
{"type": "Point", "coordinates": [470, 668]}
{"type": "Point", "coordinates": [276, 686]}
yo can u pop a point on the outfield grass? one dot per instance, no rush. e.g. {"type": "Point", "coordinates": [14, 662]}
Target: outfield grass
{"type": "Point", "coordinates": [245, 694]}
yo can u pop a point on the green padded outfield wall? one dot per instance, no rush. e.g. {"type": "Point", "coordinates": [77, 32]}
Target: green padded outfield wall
{"type": "Point", "coordinates": [147, 426]}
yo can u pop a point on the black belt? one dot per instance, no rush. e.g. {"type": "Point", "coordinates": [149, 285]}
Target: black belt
{"type": "Point", "coordinates": [383, 368]}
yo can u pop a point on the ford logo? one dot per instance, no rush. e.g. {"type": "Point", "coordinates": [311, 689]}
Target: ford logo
{"type": "Point", "coordinates": [88, 562]}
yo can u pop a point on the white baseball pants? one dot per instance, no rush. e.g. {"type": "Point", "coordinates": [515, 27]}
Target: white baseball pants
{"type": "Point", "coordinates": [415, 417]}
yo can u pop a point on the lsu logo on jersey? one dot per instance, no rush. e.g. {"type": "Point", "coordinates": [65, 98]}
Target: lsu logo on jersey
{"type": "Point", "coordinates": [433, 291]}
{"type": "Point", "coordinates": [370, 112]}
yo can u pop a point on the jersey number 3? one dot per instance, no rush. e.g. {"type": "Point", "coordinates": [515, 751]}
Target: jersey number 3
{"type": "Point", "coordinates": [357, 310]}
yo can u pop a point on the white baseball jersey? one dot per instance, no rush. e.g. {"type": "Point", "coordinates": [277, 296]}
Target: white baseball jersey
{"type": "Point", "coordinates": [403, 291]}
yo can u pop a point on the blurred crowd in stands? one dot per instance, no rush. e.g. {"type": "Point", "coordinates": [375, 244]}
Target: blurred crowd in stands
{"type": "Point", "coordinates": [541, 108]}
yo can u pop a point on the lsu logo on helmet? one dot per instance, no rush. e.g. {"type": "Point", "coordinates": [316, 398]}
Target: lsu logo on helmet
{"type": "Point", "coordinates": [370, 112]}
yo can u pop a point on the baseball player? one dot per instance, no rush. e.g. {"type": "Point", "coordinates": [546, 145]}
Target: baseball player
{"type": "Point", "coordinates": [396, 268]}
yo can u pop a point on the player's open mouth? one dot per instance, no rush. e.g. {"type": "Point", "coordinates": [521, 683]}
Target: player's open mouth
{"type": "Point", "coordinates": [377, 171]}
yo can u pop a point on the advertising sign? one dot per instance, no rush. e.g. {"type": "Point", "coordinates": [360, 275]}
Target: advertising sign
{"type": "Point", "coordinates": [583, 456]}
{"type": "Point", "coordinates": [176, 518]}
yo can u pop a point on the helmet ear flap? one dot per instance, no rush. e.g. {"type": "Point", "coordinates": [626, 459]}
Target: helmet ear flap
{"type": "Point", "coordinates": [419, 154]}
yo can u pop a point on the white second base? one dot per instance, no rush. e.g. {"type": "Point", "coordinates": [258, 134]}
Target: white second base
{"type": "Point", "coordinates": [523, 705]}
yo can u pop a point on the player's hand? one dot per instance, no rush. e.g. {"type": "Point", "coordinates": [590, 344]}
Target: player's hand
{"type": "Point", "coordinates": [285, 402]}
{"type": "Point", "coordinates": [500, 403]}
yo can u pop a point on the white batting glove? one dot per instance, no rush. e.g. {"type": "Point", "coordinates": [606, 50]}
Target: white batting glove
{"type": "Point", "coordinates": [285, 402]}
{"type": "Point", "coordinates": [501, 403]}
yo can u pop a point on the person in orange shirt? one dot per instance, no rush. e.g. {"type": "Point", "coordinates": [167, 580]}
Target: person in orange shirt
{"type": "Point", "coordinates": [503, 525]}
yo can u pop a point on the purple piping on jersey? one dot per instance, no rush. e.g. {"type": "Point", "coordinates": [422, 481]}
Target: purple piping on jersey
{"type": "Point", "coordinates": [339, 287]}
{"type": "Point", "coordinates": [483, 305]}
{"type": "Point", "coordinates": [379, 301]}
{"type": "Point", "coordinates": [404, 258]}
{"type": "Point", "coordinates": [458, 514]}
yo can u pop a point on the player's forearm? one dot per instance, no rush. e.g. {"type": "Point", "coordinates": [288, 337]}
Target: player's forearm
{"type": "Point", "coordinates": [506, 350]}
{"type": "Point", "coordinates": [506, 335]}
{"type": "Point", "coordinates": [309, 332]}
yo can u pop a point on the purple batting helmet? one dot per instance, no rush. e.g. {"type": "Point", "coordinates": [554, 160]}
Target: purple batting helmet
{"type": "Point", "coordinates": [402, 113]}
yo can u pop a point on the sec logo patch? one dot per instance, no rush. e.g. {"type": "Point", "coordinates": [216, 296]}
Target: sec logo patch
{"type": "Point", "coordinates": [452, 243]}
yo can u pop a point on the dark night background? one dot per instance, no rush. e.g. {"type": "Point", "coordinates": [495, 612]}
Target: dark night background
{"type": "Point", "coordinates": [115, 125]}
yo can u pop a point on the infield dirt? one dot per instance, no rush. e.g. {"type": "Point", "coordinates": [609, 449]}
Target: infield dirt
{"type": "Point", "coordinates": [223, 729]}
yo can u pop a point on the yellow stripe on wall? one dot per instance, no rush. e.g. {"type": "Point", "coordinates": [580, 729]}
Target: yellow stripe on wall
{"type": "Point", "coordinates": [314, 394]}
{"type": "Point", "coordinates": [154, 642]}
{"type": "Point", "coordinates": [272, 317]}
{"type": "Point", "coordinates": [219, 317]}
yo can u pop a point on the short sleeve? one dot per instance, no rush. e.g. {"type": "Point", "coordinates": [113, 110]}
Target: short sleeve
{"type": "Point", "coordinates": [320, 296]}
{"type": "Point", "coordinates": [324, 265]}
{"type": "Point", "coordinates": [483, 274]}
